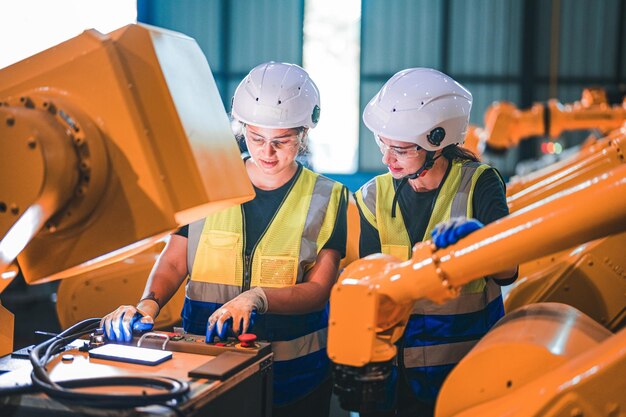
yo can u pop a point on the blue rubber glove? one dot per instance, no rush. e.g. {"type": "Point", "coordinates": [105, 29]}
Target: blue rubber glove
{"type": "Point", "coordinates": [225, 331]}
{"type": "Point", "coordinates": [137, 325]}
{"type": "Point", "coordinates": [119, 325]}
{"type": "Point", "coordinates": [450, 232]}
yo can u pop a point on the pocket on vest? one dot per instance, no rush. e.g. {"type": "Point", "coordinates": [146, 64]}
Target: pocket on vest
{"type": "Point", "coordinates": [399, 251]}
{"type": "Point", "coordinates": [276, 271]}
{"type": "Point", "coordinates": [216, 258]}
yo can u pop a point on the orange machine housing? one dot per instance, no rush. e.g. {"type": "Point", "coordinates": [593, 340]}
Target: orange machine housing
{"type": "Point", "coordinates": [110, 140]}
{"type": "Point", "coordinates": [109, 143]}
{"type": "Point", "coordinates": [385, 289]}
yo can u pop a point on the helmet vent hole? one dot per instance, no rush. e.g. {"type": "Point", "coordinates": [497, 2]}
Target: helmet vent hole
{"type": "Point", "coordinates": [422, 103]}
{"type": "Point", "coordinates": [280, 102]}
{"type": "Point", "coordinates": [393, 110]}
{"type": "Point", "coordinates": [257, 99]}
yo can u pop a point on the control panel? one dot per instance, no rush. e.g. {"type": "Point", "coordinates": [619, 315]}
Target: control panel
{"type": "Point", "coordinates": [178, 341]}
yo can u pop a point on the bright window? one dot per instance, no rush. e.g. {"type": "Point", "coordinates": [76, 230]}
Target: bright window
{"type": "Point", "coordinates": [30, 26]}
{"type": "Point", "coordinates": [331, 56]}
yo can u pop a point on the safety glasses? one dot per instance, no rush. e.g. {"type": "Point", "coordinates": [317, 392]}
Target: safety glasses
{"type": "Point", "coordinates": [398, 152]}
{"type": "Point", "coordinates": [279, 143]}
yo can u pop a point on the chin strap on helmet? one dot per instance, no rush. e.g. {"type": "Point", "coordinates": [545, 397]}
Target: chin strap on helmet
{"type": "Point", "coordinates": [427, 165]}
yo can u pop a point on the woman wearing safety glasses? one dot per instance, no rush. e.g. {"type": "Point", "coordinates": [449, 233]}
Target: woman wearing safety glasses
{"type": "Point", "coordinates": [269, 264]}
{"type": "Point", "coordinates": [436, 188]}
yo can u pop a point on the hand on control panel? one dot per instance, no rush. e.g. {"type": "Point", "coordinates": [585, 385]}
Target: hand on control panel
{"type": "Point", "coordinates": [238, 312]}
{"type": "Point", "coordinates": [119, 325]}
{"type": "Point", "coordinates": [226, 329]}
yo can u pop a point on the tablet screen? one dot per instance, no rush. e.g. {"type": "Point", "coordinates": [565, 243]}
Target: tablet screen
{"type": "Point", "coordinates": [130, 354]}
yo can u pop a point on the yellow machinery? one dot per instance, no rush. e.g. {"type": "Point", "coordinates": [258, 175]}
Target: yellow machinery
{"type": "Point", "coordinates": [361, 340]}
{"type": "Point", "coordinates": [98, 292]}
{"type": "Point", "coordinates": [588, 277]}
{"type": "Point", "coordinates": [595, 157]}
{"type": "Point", "coordinates": [107, 144]}
{"type": "Point", "coordinates": [545, 359]}
{"type": "Point", "coordinates": [505, 125]}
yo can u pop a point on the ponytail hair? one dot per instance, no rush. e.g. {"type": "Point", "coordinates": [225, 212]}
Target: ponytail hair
{"type": "Point", "coordinates": [452, 152]}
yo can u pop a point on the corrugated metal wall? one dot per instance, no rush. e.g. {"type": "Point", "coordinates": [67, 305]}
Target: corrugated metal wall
{"type": "Point", "coordinates": [235, 35]}
{"type": "Point", "coordinates": [500, 50]}
{"type": "Point", "coordinates": [395, 34]}
{"type": "Point", "coordinates": [478, 42]}
{"type": "Point", "coordinates": [589, 47]}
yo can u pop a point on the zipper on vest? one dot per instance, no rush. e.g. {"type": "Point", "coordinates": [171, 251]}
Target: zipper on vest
{"type": "Point", "coordinates": [247, 260]}
{"type": "Point", "coordinates": [246, 273]}
{"type": "Point", "coordinates": [245, 285]}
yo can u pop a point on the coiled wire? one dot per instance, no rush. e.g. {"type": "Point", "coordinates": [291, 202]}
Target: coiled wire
{"type": "Point", "coordinates": [67, 392]}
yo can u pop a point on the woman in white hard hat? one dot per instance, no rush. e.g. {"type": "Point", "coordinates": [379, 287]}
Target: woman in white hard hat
{"type": "Point", "coordinates": [276, 255]}
{"type": "Point", "coordinates": [419, 119]}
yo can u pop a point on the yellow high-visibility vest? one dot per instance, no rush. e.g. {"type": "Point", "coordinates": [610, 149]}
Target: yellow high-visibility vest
{"type": "Point", "coordinates": [454, 199]}
{"type": "Point", "coordinates": [375, 199]}
{"type": "Point", "coordinates": [287, 249]}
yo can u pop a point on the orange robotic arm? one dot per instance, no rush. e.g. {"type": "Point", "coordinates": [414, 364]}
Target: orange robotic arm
{"type": "Point", "coordinates": [110, 140]}
{"type": "Point", "coordinates": [595, 158]}
{"type": "Point", "coordinates": [505, 125]}
{"type": "Point", "coordinates": [475, 139]}
{"type": "Point", "coordinates": [592, 267]}
{"type": "Point", "coordinates": [384, 289]}
{"type": "Point", "coordinates": [107, 144]}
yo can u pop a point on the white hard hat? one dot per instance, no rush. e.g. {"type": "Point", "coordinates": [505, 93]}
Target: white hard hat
{"type": "Point", "coordinates": [421, 106]}
{"type": "Point", "coordinates": [277, 95]}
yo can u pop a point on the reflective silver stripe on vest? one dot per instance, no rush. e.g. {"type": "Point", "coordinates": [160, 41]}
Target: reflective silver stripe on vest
{"type": "Point", "coordinates": [464, 303]}
{"type": "Point", "coordinates": [368, 192]}
{"type": "Point", "coordinates": [459, 204]}
{"type": "Point", "coordinates": [435, 355]}
{"type": "Point", "coordinates": [193, 240]}
{"type": "Point", "coordinates": [302, 346]}
{"type": "Point", "coordinates": [322, 192]}
{"type": "Point", "coordinates": [212, 293]}
{"type": "Point", "coordinates": [451, 353]}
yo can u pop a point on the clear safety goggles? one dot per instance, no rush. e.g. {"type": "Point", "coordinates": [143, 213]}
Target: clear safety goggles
{"type": "Point", "coordinates": [398, 152]}
{"type": "Point", "coordinates": [278, 143]}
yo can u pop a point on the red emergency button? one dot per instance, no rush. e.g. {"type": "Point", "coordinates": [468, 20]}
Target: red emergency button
{"type": "Point", "coordinates": [247, 340]}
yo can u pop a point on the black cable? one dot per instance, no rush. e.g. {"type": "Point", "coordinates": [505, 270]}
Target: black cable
{"type": "Point", "coordinates": [170, 389]}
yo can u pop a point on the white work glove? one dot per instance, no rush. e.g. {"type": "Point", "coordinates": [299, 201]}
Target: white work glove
{"type": "Point", "coordinates": [239, 309]}
{"type": "Point", "coordinates": [119, 325]}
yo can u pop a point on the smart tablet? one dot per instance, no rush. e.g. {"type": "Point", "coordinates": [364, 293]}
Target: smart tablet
{"type": "Point", "coordinates": [130, 354]}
